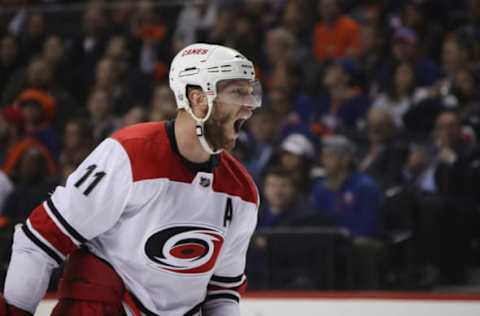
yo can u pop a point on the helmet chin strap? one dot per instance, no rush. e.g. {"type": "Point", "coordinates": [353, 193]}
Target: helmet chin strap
{"type": "Point", "coordinates": [200, 131]}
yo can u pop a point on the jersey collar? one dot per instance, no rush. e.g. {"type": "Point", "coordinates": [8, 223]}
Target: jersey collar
{"type": "Point", "coordinates": [195, 167]}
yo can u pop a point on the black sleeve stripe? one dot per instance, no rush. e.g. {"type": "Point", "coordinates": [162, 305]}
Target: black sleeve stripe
{"type": "Point", "coordinates": [142, 307]}
{"type": "Point", "coordinates": [194, 311]}
{"type": "Point", "coordinates": [41, 245]}
{"type": "Point", "coordinates": [222, 295]}
{"type": "Point", "coordinates": [64, 223]}
{"type": "Point", "coordinates": [227, 279]}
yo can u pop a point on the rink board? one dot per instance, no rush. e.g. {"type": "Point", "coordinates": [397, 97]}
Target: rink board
{"type": "Point", "coordinates": [342, 304]}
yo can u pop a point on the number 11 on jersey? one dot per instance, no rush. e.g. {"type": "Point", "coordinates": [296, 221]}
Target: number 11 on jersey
{"type": "Point", "coordinates": [98, 177]}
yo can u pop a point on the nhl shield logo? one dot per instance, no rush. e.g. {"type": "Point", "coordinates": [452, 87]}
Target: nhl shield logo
{"type": "Point", "coordinates": [184, 249]}
{"type": "Point", "coordinates": [204, 182]}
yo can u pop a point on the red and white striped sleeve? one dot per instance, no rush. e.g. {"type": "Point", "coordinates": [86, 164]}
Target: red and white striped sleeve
{"type": "Point", "coordinates": [90, 203]}
{"type": "Point", "coordinates": [229, 281]}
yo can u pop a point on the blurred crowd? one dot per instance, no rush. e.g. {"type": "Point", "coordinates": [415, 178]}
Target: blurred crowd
{"type": "Point", "coordinates": [370, 120]}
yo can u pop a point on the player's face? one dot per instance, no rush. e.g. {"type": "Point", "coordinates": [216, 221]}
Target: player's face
{"type": "Point", "coordinates": [234, 105]}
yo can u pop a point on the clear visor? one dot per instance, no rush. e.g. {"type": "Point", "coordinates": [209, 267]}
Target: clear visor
{"type": "Point", "coordinates": [240, 92]}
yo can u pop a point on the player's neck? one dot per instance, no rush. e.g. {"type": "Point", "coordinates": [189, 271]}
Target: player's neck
{"type": "Point", "coordinates": [187, 142]}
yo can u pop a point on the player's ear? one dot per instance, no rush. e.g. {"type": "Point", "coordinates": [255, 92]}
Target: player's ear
{"type": "Point", "coordinates": [198, 101]}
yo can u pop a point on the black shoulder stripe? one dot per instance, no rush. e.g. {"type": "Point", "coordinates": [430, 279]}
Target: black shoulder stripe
{"type": "Point", "coordinates": [64, 223]}
{"type": "Point", "coordinates": [147, 312]}
{"type": "Point", "coordinates": [222, 295]}
{"type": "Point", "coordinates": [194, 311]}
{"type": "Point", "coordinates": [227, 279]}
{"type": "Point", "coordinates": [142, 307]}
{"type": "Point", "coordinates": [41, 245]}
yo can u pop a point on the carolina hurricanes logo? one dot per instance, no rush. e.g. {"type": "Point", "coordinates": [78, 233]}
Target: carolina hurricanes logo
{"type": "Point", "coordinates": [184, 249]}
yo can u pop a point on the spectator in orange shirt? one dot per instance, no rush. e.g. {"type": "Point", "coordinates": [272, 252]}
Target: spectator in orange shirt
{"type": "Point", "coordinates": [336, 35]}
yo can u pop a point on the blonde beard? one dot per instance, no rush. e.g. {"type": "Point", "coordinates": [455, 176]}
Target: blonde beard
{"type": "Point", "coordinates": [215, 131]}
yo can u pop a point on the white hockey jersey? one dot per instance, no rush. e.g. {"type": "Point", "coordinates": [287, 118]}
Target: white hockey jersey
{"type": "Point", "coordinates": [176, 232]}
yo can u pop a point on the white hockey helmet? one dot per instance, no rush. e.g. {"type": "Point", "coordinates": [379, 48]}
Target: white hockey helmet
{"type": "Point", "coordinates": [205, 65]}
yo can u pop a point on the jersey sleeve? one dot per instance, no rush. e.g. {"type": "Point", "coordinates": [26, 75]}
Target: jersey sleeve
{"type": "Point", "coordinates": [95, 195]}
{"type": "Point", "coordinates": [229, 281]}
{"type": "Point", "coordinates": [91, 202]}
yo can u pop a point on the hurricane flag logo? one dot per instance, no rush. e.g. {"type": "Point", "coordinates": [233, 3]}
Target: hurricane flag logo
{"type": "Point", "coordinates": [184, 249]}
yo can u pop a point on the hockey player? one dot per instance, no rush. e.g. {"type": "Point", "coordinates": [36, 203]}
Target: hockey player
{"type": "Point", "coordinates": [157, 219]}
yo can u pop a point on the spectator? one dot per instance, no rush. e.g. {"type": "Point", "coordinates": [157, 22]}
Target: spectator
{"type": "Point", "coordinates": [88, 47]}
{"type": "Point", "coordinates": [39, 110]}
{"type": "Point", "coordinates": [102, 120]}
{"type": "Point", "coordinates": [351, 200]}
{"type": "Point", "coordinates": [32, 185]}
{"type": "Point", "coordinates": [194, 23]}
{"type": "Point", "coordinates": [121, 16]}
{"type": "Point", "coordinates": [245, 35]}
{"type": "Point", "coordinates": [54, 54]}
{"type": "Point", "coordinates": [136, 114]}
{"type": "Point", "coordinates": [418, 169]}
{"type": "Point", "coordinates": [39, 76]}
{"type": "Point", "coordinates": [111, 77]}
{"type": "Point", "coordinates": [449, 215]}
{"type": "Point", "coordinates": [336, 35]}
{"type": "Point", "coordinates": [15, 155]}
{"type": "Point", "coordinates": [454, 65]}
{"type": "Point", "coordinates": [387, 150]}
{"type": "Point", "coordinates": [263, 130]}
{"type": "Point", "coordinates": [11, 129]}
{"type": "Point", "coordinates": [152, 33]}
{"type": "Point", "coordinates": [54, 51]}
{"type": "Point", "coordinates": [399, 95]}
{"type": "Point", "coordinates": [106, 74]}
{"type": "Point", "coordinates": [342, 106]}
{"type": "Point", "coordinates": [296, 156]}
{"type": "Point", "coordinates": [455, 56]}
{"type": "Point", "coordinates": [281, 59]}
{"type": "Point", "coordinates": [371, 56]}
{"type": "Point", "coordinates": [281, 102]}
{"type": "Point", "coordinates": [454, 174]}
{"type": "Point", "coordinates": [404, 48]}
{"type": "Point", "coordinates": [412, 15]}
{"type": "Point", "coordinates": [9, 59]}
{"type": "Point", "coordinates": [464, 90]}
{"type": "Point", "coordinates": [33, 35]}
{"type": "Point", "coordinates": [130, 79]}
{"type": "Point", "coordinates": [458, 94]}
{"type": "Point", "coordinates": [297, 17]}
{"type": "Point", "coordinates": [162, 106]}
{"type": "Point", "coordinates": [77, 142]}
{"type": "Point", "coordinates": [283, 205]}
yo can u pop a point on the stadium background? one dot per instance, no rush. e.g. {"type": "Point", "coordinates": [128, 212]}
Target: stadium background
{"type": "Point", "coordinates": [396, 80]}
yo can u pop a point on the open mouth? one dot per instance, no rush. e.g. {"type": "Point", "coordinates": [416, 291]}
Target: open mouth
{"type": "Point", "coordinates": [237, 125]}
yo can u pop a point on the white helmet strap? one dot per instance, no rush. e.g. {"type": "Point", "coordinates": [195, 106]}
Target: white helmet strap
{"type": "Point", "coordinates": [200, 128]}
{"type": "Point", "coordinates": [200, 131]}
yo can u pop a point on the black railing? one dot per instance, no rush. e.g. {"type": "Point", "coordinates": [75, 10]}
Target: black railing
{"type": "Point", "coordinates": [300, 258]}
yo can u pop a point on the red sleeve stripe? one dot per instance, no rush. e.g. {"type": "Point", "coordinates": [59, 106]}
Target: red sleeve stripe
{"type": "Point", "coordinates": [44, 225]}
{"type": "Point", "coordinates": [71, 231]}
{"type": "Point", "coordinates": [38, 239]}
{"type": "Point", "coordinates": [48, 208]}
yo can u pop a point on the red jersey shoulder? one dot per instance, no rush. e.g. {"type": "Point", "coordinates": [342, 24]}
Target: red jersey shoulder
{"type": "Point", "coordinates": [149, 151]}
{"type": "Point", "coordinates": [146, 131]}
{"type": "Point", "coordinates": [232, 178]}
